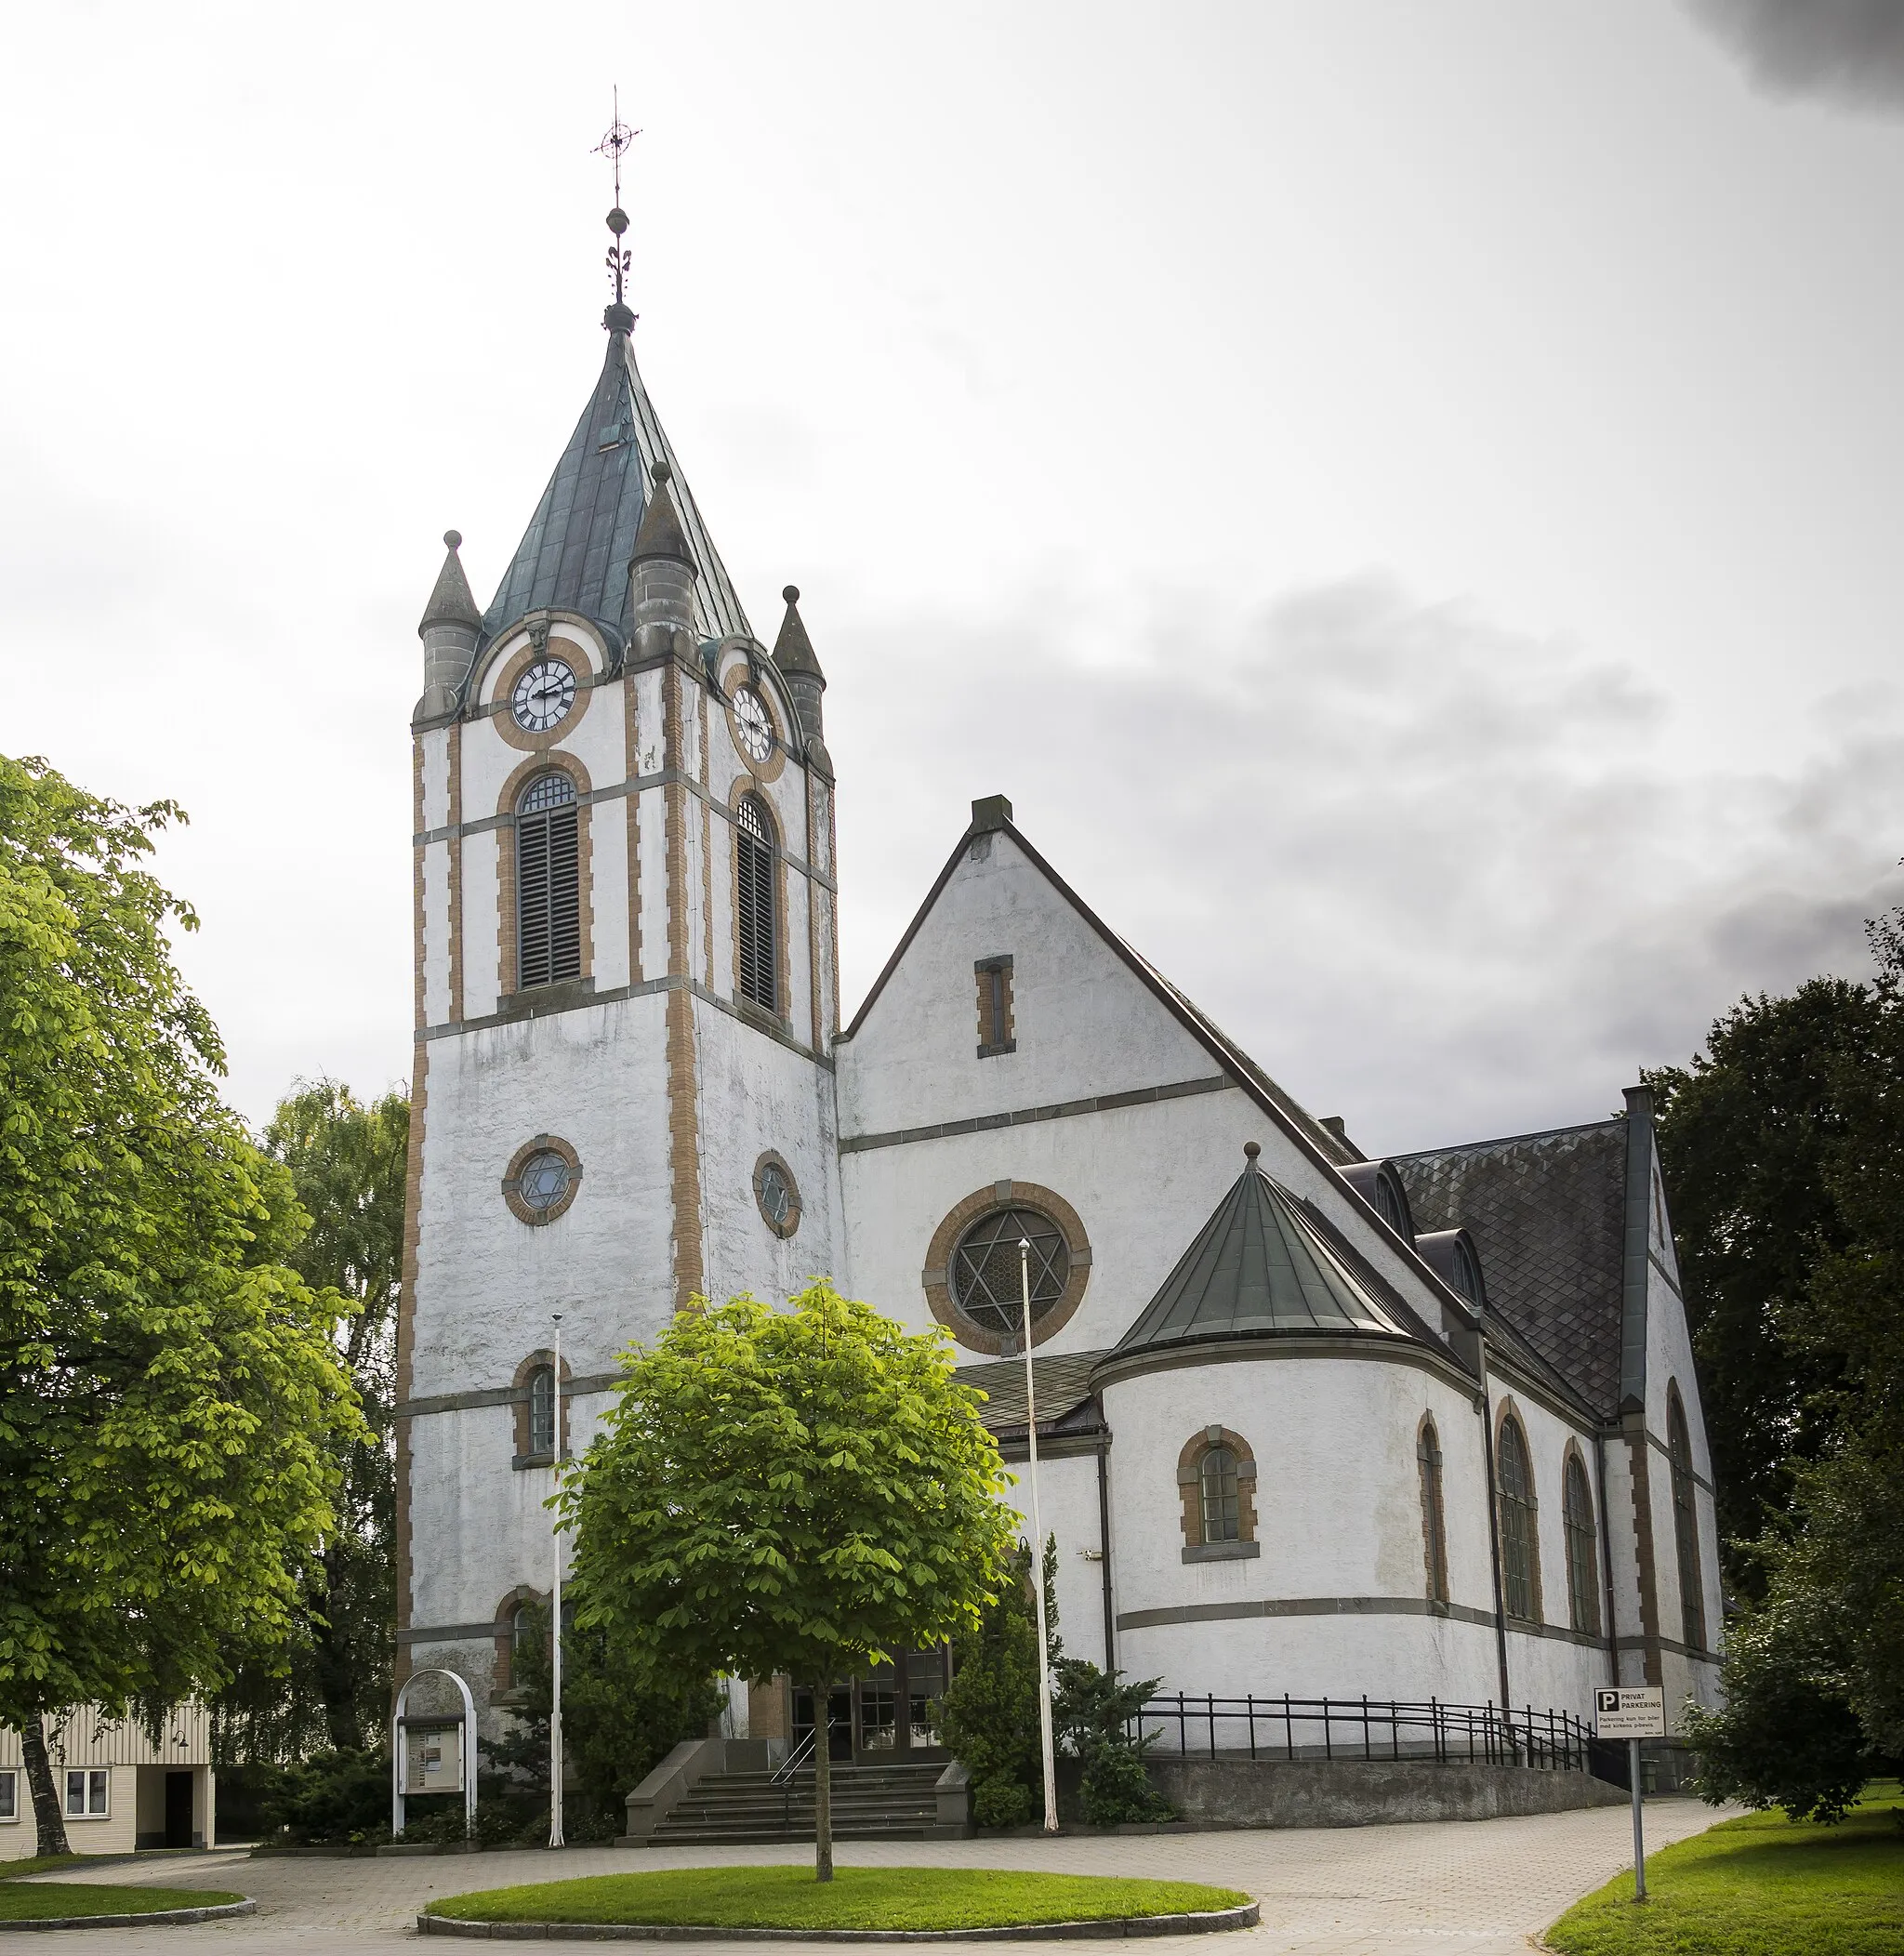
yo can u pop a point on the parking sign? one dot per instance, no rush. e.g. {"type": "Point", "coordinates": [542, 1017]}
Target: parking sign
{"type": "Point", "coordinates": [1629, 1711]}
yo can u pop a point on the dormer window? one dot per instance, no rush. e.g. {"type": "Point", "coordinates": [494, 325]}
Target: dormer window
{"type": "Point", "coordinates": [1380, 1189]}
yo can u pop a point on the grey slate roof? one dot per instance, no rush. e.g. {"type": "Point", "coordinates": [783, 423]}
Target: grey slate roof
{"type": "Point", "coordinates": [1061, 1381]}
{"type": "Point", "coordinates": [1547, 1213]}
{"type": "Point", "coordinates": [1259, 1267]}
{"type": "Point", "coordinates": [574, 554]}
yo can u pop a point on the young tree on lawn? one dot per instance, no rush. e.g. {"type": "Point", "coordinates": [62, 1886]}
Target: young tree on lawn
{"type": "Point", "coordinates": [170, 1396]}
{"type": "Point", "coordinates": [802, 1491]}
{"type": "Point", "coordinates": [346, 1159]}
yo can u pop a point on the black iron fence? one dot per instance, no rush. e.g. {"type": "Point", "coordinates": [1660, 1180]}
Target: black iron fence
{"type": "Point", "coordinates": [1363, 1728]}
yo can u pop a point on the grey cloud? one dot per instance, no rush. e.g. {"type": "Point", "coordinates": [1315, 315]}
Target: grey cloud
{"type": "Point", "coordinates": [1440, 877]}
{"type": "Point", "coordinates": [1850, 51]}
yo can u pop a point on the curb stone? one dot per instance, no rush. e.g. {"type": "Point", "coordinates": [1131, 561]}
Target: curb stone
{"type": "Point", "coordinates": [158, 1918]}
{"type": "Point", "coordinates": [1208, 1922]}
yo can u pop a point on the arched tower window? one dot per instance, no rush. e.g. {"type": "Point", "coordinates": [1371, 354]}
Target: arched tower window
{"type": "Point", "coordinates": [1520, 1558]}
{"type": "Point", "coordinates": [542, 1410]}
{"type": "Point", "coordinates": [1583, 1551]}
{"type": "Point", "coordinates": [548, 884]}
{"type": "Point", "coordinates": [755, 893]}
{"type": "Point", "coordinates": [1434, 1518]}
{"type": "Point", "coordinates": [1685, 1521]}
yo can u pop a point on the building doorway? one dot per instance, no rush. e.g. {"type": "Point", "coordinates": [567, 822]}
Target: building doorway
{"type": "Point", "coordinates": [178, 1809]}
{"type": "Point", "coordinates": [882, 1718]}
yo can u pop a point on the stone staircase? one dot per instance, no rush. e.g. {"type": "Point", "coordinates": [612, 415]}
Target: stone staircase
{"type": "Point", "coordinates": [870, 1802]}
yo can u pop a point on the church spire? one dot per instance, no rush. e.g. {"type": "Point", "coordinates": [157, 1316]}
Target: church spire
{"type": "Point", "coordinates": [793, 654]}
{"type": "Point", "coordinates": [450, 628]}
{"type": "Point", "coordinates": [575, 553]}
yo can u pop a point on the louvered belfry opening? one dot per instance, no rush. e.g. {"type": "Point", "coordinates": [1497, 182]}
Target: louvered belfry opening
{"type": "Point", "coordinates": [549, 882]}
{"type": "Point", "coordinates": [753, 843]}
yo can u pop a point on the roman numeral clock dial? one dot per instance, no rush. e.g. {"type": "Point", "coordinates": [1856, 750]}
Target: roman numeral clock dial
{"type": "Point", "coordinates": [752, 725]}
{"type": "Point", "coordinates": [543, 696]}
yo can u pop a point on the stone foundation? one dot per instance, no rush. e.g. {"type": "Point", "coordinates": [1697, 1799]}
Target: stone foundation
{"type": "Point", "coordinates": [1355, 1792]}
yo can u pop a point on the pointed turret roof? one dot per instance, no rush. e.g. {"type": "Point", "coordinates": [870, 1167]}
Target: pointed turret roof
{"type": "Point", "coordinates": [574, 554]}
{"type": "Point", "coordinates": [1261, 1266]}
{"type": "Point", "coordinates": [661, 534]}
{"type": "Point", "coordinates": [451, 602]}
{"type": "Point", "coordinates": [793, 651]}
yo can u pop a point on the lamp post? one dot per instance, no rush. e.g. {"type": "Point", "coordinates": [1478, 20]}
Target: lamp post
{"type": "Point", "coordinates": [1038, 1547]}
{"type": "Point", "coordinates": [555, 1839]}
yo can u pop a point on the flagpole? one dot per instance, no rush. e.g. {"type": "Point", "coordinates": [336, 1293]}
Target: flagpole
{"type": "Point", "coordinates": [1038, 1550]}
{"type": "Point", "coordinates": [555, 1762]}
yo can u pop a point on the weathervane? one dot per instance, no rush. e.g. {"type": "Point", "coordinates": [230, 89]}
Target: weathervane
{"type": "Point", "coordinates": [612, 146]}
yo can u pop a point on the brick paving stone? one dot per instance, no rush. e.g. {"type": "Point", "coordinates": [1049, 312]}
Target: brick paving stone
{"type": "Point", "coordinates": [1443, 1888]}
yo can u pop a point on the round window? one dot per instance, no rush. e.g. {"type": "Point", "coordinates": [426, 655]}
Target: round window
{"type": "Point", "coordinates": [776, 1195]}
{"type": "Point", "coordinates": [542, 1179]}
{"type": "Point", "coordinates": [989, 1269]}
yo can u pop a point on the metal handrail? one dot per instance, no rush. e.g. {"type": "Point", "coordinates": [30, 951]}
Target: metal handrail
{"type": "Point", "coordinates": [1369, 1728]}
{"type": "Point", "coordinates": [790, 1764]}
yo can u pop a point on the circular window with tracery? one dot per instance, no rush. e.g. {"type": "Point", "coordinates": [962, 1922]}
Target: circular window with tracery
{"type": "Point", "coordinates": [776, 1194]}
{"type": "Point", "coordinates": [985, 1252]}
{"type": "Point", "coordinates": [542, 1178]}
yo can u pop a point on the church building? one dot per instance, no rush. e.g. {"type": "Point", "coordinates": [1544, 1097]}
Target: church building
{"type": "Point", "coordinates": [1311, 1419]}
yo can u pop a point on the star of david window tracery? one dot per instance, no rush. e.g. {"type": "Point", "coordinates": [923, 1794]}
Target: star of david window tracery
{"type": "Point", "coordinates": [987, 1276]}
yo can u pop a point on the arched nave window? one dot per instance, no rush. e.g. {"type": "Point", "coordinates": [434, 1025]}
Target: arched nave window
{"type": "Point", "coordinates": [1685, 1521]}
{"type": "Point", "coordinates": [1434, 1516]}
{"type": "Point", "coordinates": [1216, 1476]}
{"type": "Point", "coordinates": [1582, 1549]}
{"type": "Point", "coordinates": [1520, 1554]}
{"type": "Point", "coordinates": [755, 902]}
{"type": "Point", "coordinates": [549, 883]}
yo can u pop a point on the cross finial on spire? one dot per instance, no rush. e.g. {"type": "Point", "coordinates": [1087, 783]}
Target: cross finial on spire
{"type": "Point", "coordinates": [619, 319]}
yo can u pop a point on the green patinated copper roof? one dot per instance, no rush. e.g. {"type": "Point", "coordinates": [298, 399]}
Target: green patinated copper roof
{"type": "Point", "coordinates": [574, 554]}
{"type": "Point", "coordinates": [1260, 1267]}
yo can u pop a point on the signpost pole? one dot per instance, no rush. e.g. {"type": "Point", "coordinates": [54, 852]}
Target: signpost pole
{"type": "Point", "coordinates": [1639, 1839]}
{"type": "Point", "coordinates": [1038, 1550]}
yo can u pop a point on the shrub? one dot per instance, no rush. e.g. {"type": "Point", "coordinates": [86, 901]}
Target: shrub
{"type": "Point", "coordinates": [1091, 1714]}
{"type": "Point", "coordinates": [988, 1716]}
{"type": "Point", "coordinates": [332, 1799]}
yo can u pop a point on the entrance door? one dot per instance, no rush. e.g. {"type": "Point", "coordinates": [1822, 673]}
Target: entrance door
{"type": "Point", "coordinates": [838, 1719]}
{"type": "Point", "coordinates": [178, 1809]}
{"type": "Point", "coordinates": [894, 1717]}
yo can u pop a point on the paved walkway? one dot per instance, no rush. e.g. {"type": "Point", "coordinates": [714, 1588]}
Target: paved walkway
{"type": "Point", "coordinates": [1453, 1888]}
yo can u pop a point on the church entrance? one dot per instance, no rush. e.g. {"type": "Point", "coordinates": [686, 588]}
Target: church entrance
{"type": "Point", "coordinates": [883, 1717]}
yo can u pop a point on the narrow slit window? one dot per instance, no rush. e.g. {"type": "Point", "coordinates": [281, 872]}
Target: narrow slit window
{"type": "Point", "coordinates": [1433, 1521]}
{"type": "Point", "coordinates": [549, 882]}
{"type": "Point", "coordinates": [755, 892]}
{"type": "Point", "coordinates": [995, 1026]}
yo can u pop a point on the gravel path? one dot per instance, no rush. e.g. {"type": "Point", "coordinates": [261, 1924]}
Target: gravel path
{"type": "Point", "coordinates": [1453, 1888]}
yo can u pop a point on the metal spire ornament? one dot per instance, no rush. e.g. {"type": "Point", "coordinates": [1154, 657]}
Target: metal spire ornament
{"type": "Point", "coordinates": [614, 145]}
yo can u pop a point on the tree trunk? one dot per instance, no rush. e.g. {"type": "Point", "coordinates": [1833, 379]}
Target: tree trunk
{"type": "Point", "coordinates": [48, 1817]}
{"type": "Point", "coordinates": [823, 1781]}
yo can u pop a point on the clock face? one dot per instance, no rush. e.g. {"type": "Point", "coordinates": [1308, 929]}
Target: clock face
{"type": "Point", "coordinates": [543, 695]}
{"type": "Point", "coordinates": [751, 726]}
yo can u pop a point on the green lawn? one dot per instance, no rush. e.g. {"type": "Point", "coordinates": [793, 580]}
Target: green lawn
{"type": "Point", "coordinates": [35, 1901]}
{"type": "Point", "coordinates": [37, 1864]}
{"type": "Point", "coordinates": [788, 1898]}
{"type": "Point", "coordinates": [1760, 1887]}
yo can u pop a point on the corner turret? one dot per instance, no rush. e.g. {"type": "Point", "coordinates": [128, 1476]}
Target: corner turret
{"type": "Point", "coordinates": [451, 628]}
{"type": "Point", "coordinates": [793, 656]}
{"type": "Point", "coordinates": [661, 573]}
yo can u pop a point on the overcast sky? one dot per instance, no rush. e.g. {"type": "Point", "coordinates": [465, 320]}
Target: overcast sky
{"type": "Point", "coordinates": [1404, 499]}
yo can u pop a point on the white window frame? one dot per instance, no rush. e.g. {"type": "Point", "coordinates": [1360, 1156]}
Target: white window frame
{"type": "Point", "coordinates": [11, 1774]}
{"type": "Point", "coordinates": [93, 1779]}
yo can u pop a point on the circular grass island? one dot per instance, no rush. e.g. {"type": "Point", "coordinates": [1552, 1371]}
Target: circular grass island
{"type": "Point", "coordinates": [96, 1904]}
{"type": "Point", "coordinates": [873, 1904]}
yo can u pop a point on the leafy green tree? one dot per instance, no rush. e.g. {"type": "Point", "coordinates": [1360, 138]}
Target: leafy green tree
{"type": "Point", "coordinates": [170, 1395]}
{"type": "Point", "coordinates": [988, 1715]}
{"type": "Point", "coordinates": [347, 1161]}
{"type": "Point", "coordinates": [1751, 1134]}
{"type": "Point", "coordinates": [617, 1722]}
{"type": "Point", "coordinates": [1787, 1734]}
{"type": "Point", "coordinates": [802, 1491]}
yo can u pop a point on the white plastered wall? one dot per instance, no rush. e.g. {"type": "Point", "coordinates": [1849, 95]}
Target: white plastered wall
{"type": "Point", "coordinates": [1068, 1507]}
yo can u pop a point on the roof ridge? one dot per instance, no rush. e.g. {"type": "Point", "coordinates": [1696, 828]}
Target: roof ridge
{"type": "Point", "coordinates": [1508, 1141]}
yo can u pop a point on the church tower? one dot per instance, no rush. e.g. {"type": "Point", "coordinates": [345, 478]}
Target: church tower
{"type": "Point", "coordinates": [626, 994]}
